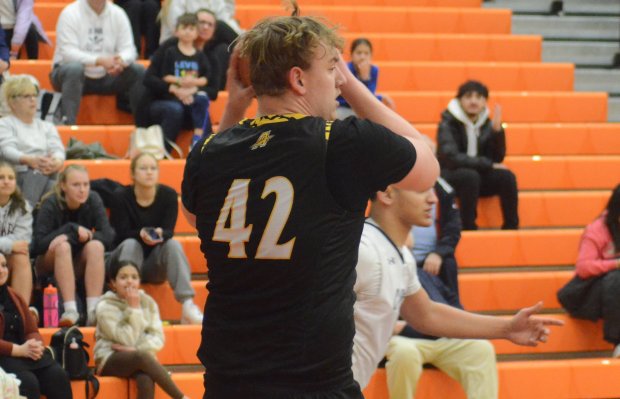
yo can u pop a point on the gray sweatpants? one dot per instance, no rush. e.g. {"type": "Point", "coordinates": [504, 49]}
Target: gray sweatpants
{"type": "Point", "coordinates": [167, 261]}
{"type": "Point", "coordinates": [69, 79]}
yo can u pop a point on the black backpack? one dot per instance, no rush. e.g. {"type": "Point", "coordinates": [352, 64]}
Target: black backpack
{"type": "Point", "coordinates": [69, 350]}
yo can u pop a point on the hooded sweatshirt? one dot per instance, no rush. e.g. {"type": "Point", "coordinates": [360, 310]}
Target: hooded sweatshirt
{"type": "Point", "coordinates": [82, 36]}
{"type": "Point", "coordinates": [16, 226]}
{"type": "Point", "coordinates": [458, 137]}
{"type": "Point", "coordinates": [471, 128]}
{"type": "Point", "coordinates": [119, 323]}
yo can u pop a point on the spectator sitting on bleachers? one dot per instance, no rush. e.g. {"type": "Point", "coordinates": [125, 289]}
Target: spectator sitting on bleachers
{"type": "Point", "coordinates": [142, 15]}
{"type": "Point", "coordinates": [22, 26]}
{"type": "Point", "coordinates": [177, 80]}
{"type": "Point", "coordinates": [595, 292]}
{"type": "Point", "coordinates": [144, 216]}
{"type": "Point", "coordinates": [32, 145]}
{"type": "Point", "coordinates": [362, 68]}
{"type": "Point", "coordinates": [71, 233]}
{"type": "Point", "coordinates": [94, 54]}
{"type": "Point", "coordinates": [471, 149]}
{"type": "Point", "coordinates": [387, 284]}
{"type": "Point", "coordinates": [22, 351]}
{"type": "Point", "coordinates": [469, 361]}
{"type": "Point", "coordinates": [15, 231]}
{"type": "Point", "coordinates": [214, 39]}
{"type": "Point", "coordinates": [224, 11]}
{"type": "Point", "coordinates": [129, 334]}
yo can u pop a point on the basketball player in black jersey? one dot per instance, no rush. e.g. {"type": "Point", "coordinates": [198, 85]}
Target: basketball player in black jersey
{"type": "Point", "coordinates": [279, 205]}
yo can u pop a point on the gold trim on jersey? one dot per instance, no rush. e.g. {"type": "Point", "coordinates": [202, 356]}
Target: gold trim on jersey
{"type": "Point", "coordinates": [328, 129]}
{"type": "Point", "coordinates": [207, 142]}
{"type": "Point", "coordinates": [267, 119]}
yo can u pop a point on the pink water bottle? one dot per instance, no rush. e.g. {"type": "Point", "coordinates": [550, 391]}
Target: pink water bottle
{"type": "Point", "coordinates": [50, 306]}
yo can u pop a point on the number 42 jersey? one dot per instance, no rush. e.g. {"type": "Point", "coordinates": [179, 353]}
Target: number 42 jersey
{"type": "Point", "coordinates": [279, 204]}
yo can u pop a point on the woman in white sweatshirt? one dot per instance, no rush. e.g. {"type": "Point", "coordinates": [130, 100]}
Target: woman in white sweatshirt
{"type": "Point", "coordinates": [30, 144]}
{"type": "Point", "coordinates": [15, 231]}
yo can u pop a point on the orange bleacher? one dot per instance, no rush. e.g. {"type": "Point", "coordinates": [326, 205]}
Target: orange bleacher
{"type": "Point", "coordinates": [359, 19]}
{"type": "Point", "coordinates": [566, 158]}
{"type": "Point", "coordinates": [424, 76]}
{"type": "Point", "coordinates": [522, 138]}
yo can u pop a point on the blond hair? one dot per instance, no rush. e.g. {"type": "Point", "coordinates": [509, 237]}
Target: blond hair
{"type": "Point", "coordinates": [62, 178]}
{"type": "Point", "coordinates": [275, 45]}
{"type": "Point", "coordinates": [16, 86]}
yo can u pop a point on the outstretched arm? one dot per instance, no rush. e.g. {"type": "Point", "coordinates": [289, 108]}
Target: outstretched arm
{"type": "Point", "coordinates": [445, 321]}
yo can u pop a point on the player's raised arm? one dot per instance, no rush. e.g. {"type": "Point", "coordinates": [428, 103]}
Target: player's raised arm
{"type": "Point", "coordinates": [239, 95]}
{"type": "Point", "coordinates": [366, 105]}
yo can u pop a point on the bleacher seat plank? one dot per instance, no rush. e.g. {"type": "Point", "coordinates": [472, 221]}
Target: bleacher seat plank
{"type": "Point", "coordinates": [416, 107]}
{"type": "Point", "coordinates": [358, 18]}
{"type": "Point", "coordinates": [522, 138]}
{"type": "Point", "coordinates": [426, 107]}
{"type": "Point", "coordinates": [536, 209]}
{"type": "Point", "coordinates": [520, 248]}
{"type": "Point", "coordinates": [479, 291]}
{"type": "Point", "coordinates": [424, 76]}
{"type": "Point", "coordinates": [182, 341]}
{"type": "Point", "coordinates": [432, 47]}
{"type": "Point", "coordinates": [540, 247]}
{"type": "Point", "coordinates": [546, 173]}
{"type": "Point", "coordinates": [503, 76]}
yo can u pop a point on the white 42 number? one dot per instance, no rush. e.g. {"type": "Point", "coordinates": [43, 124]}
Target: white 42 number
{"type": "Point", "coordinates": [237, 234]}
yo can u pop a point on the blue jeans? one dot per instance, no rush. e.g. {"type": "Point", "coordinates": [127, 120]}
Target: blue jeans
{"type": "Point", "coordinates": [173, 115]}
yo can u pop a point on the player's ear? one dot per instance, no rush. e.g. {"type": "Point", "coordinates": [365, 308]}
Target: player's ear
{"type": "Point", "coordinates": [296, 80]}
{"type": "Point", "coordinates": [386, 197]}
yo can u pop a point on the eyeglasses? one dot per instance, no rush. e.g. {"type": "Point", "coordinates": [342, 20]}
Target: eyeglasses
{"type": "Point", "coordinates": [206, 23]}
{"type": "Point", "coordinates": [26, 96]}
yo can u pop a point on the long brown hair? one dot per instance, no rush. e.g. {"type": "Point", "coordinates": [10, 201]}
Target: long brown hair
{"type": "Point", "coordinates": [18, 202]}
{"type": "Point", "coordinates": [612, 219]}
{"type": "Point", "coordinates": [62, 178]}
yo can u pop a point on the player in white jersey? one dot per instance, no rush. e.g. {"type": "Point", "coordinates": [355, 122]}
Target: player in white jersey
{"type": "Point", "coordinates": [387, 285]}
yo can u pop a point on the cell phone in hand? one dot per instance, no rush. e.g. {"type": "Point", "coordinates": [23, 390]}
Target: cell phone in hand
{"type": "Point", "coordinates": [152, 233]}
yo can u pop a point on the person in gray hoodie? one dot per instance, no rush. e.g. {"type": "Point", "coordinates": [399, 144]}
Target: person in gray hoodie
{"type": "Point", "coordinates": [471, 148]}
{"type": "Point", "coordinates": [15, 231]}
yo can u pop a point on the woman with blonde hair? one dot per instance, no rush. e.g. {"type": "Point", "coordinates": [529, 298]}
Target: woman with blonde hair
{"type": "Point", "coordinates": [71, 234]}
{"type": "Point", "coordinates": [32, 145]}
{"type": "Point", "coordinates": [15, 231]}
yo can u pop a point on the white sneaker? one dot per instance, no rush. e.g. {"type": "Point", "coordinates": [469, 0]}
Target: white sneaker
{"type": "Point", "coordinates": [616, 353]}
{"type": "Point", "coordinates": [191, 314]}
{"type": "Point", "coordinates": [69, 318]}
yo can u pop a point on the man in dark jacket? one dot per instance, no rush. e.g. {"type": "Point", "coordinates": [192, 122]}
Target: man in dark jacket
{"type": "Point", "coordinates": [471, 149]}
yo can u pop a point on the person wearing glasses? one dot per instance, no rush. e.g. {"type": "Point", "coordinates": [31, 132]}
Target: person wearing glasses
{"type": "Point", "coordinates": [32, 145]}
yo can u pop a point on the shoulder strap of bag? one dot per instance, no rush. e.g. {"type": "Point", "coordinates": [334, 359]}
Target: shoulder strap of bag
{"type": "Point", "coordinates": [91, 379]}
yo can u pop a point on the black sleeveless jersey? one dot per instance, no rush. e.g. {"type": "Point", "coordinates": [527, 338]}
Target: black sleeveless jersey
{"type": "Point", "coordinates": [279, 204]}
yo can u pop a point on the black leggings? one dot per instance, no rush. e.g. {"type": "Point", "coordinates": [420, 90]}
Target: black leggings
{"type": "Point", "coordinates": [31, 42]}
{"type": "Point", "coordinates": [147, 371]}
{"type": "Point", "coordinates": [50, 381]}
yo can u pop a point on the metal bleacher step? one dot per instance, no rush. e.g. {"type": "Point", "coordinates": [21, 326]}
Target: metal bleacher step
{"type": "Point", "coordinates": [567, 27]}
{"type": "Point", "coordinates": [582, 53]}
{"type": "Point", "coordinates": [598, 79]}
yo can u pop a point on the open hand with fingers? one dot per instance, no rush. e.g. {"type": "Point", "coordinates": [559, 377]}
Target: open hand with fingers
{"type": "Point", "coordinates": [527, 329]}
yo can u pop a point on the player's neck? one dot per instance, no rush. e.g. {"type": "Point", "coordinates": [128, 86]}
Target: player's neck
{"type": "Point", "coordinates": [392, 227]}
{"type": "Point", "coordinates": [280, 105]}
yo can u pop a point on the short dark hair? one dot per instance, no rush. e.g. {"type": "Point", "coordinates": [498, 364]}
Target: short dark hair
{"type": "Point", "coordinates": [472, 86]}
{"type": "Point", "coordinates": [187, 19]}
